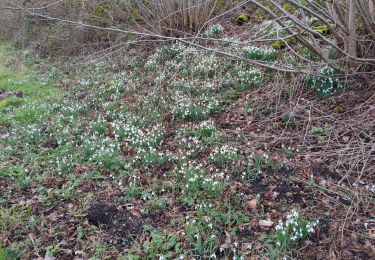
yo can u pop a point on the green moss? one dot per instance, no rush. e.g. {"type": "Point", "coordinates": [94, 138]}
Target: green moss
{"type": "Point", "coordinates": [220, 4]}
{"type": "Point", "coordinates": [305, 33]}
{"type": "Point", "coordinates": [321, 2]}
{"type": "Point", "coordinates": [324, 29]}
{"type": "Point", "coordinates": [320, 27]}
{"type": "Point", "coordinates": [316, 23]}
{"type": "Point", "coordinates": [279, 44]}
{"type": "Point", "coordinates": [270, 6]}
{"type": "Point", "coordinates": [289, 7]}
{"type": "Point", "coordinates": [242, 18]}
{"type": "Point", "coordinates": [337, 110]}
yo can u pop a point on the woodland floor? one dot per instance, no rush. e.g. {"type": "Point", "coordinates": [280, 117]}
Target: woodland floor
{"type": "Point", "coordinates": [106, 165]}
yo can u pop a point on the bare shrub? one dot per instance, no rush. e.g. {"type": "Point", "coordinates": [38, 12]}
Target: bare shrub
{"type": "Point", "coordinates": [346, 41]}
{"type": "Point", "coordinates": [355, 21]}
{"type": "Point", "coordinates": [173, 17]}
{"type": "Point", "coordinates": [50, 37]}
{"type": "Point", "coordinates": [350, 23]}
{"type": "Point", "coordinates": [13, 27]}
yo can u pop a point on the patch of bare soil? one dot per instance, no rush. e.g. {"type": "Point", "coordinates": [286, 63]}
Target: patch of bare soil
{"type": "Point", "coordinates": [119, 223]}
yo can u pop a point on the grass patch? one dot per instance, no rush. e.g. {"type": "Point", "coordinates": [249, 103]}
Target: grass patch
{"type": "Point", "coordinates": [31, 93]}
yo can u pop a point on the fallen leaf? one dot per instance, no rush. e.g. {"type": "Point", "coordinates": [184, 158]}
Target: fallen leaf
{"type": "Point", "coordinates": [252, 203]}
{"type": "Point", "coordinates": [136, 212]}
{"type": "Point", "coordinates": [371, 233]}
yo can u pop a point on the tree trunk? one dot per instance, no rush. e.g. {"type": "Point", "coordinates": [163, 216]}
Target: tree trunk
{"type": "Point", "coordinates": [352, 28]}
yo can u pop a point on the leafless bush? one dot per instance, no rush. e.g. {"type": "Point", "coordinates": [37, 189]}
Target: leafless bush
{"type": "Point", "coordinates": [356, 22]}
{"type": "Point", "coordinates": [350, 25]}
{"type": "Point", "coordinates": [12, 26]}
{"type": "Point", "coordinates": [51, 37]}
{"type": "Point", "coordinates": [171, 17]}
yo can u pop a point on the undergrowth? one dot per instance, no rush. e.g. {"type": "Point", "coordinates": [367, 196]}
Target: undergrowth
{"type": "Point", "coordinates": [146, 138]}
